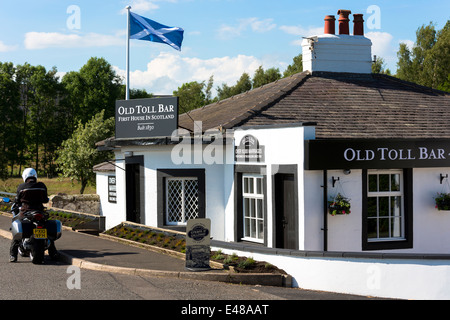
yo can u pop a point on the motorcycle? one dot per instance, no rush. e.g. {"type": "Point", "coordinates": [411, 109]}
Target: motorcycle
{"type": "Point", "coordinates": [35, 232]}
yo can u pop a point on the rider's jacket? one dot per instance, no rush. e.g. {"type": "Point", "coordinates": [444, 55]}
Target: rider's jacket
{"type": "Point", "coordinates": [31, 194]}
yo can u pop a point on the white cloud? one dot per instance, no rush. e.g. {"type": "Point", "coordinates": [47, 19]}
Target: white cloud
{"type": "Point", "coordinates": [42, 40]}
{"type": "Point", "coordinates": [381, 43]}
{"type": "Point", "coordinates": [382, 46]}
{"type": "Point", "coordinates": [141, 6]}
{"type": "Point", "coordinates": [255, 24]}
{"type": "Point", "coordinates": [6, 48]}
{"type": "Point", "coordinates": [300, 32]}
{"type": "Point", "coordinates": [169, 71]}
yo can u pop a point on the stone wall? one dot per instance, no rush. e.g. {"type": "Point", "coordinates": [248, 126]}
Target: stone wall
{"type": "Point", "coordinates": [86, 203]}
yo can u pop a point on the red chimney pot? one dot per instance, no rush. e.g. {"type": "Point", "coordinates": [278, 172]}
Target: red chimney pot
{"type": "Point", "coordinates": [358, 24]}
{"type": "Point", "coordinates": [343, 21]}
{"type": "Point", "coordinates": [330, 25]}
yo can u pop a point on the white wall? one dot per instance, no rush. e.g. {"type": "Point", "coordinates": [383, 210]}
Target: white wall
{"type": "Point", "coordinates": [218, 181]}
{"type": "Point", "coordinates": [337, 53]}
{"type": "Point", "coordinates": [387, 278]}
{"type": "Point", "coordinates": [430, 226]}
{"type": "Point", "coordinates": [283, 146]}
{"type": "Point", "coordinates": [115, 213]}
{"type": "Point", "coordinates": [344, 231]}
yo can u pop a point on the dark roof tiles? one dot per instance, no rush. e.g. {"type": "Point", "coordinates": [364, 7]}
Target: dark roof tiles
{"type": "Point", "coordinates": [343, 106]}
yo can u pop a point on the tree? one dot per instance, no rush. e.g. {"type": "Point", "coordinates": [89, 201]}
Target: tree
{"type": "Point", "coordinates": [78, 154]}
{"type": "Point", "coordinates": [295, 67]}
{"type": "Point", "coordinates": [134, 93]}
{"type": "Point", "coordinates": [378, 66]}
{"type": "Point", "coordinates": [262, 77]}
{"type": "Point", "coordinates": [10, 117]}
{"type": "Point", "coordinates": [244, 84]}
{"type": "Point", "coordinates": [437, 61]}
{"type": "Point", "coordinates": [427, 63]}
{"type": "Point", "coordinates": [45, 127]}
{"type": "Point", "coordinates": [191, 96]}
{"type": "Point", "coordinates": [94, 88]}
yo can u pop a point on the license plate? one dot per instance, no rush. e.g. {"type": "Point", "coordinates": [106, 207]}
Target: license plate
{"type": "Point", "coordinates": [40, 233]}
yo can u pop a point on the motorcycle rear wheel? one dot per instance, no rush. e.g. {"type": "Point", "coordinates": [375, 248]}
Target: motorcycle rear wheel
{"type": "Point", "coordinates": [37, 252]}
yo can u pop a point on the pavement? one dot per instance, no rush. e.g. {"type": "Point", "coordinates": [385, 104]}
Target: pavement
{"type": "Point", "coordinates": [108, 255]}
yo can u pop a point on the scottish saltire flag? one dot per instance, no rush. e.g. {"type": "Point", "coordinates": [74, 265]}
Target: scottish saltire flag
{"type": "Point", "coordinates": [145, 29]}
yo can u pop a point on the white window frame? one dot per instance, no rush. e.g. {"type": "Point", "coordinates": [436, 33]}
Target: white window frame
{"type": "Point", "coordinates": [183, 200]}
{"type": "Point", "coordinates": [390, 217]}
{"type": "Point", "coordinates": [253, 222]}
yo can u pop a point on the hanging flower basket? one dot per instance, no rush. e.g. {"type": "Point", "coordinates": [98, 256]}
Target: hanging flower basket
{"type": "Point", "coordinates": [443, 201]}
{"type": "Point", "coordinates": [339, 205]}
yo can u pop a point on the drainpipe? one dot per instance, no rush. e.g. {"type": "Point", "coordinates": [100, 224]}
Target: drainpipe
{"type": "Point", "coordinates": [325, 211]}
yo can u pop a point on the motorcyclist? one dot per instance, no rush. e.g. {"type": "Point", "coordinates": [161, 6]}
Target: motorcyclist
{"type": "Point", "coordinates": [29, 176]}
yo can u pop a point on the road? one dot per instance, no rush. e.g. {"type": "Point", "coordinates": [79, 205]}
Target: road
{"type": "Point", "coordinates": [57, 281]}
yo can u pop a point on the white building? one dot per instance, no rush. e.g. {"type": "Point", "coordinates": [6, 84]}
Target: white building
{"type": "Point", "coordinates": [264, 165]}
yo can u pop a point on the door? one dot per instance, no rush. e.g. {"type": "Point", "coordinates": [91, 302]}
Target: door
{"type": "Point", "coordinates": [133, 191]}
{"type": "Point", "coordinates": [285, 212]}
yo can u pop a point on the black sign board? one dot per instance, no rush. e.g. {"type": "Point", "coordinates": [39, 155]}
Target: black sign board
{"type": "Point", "coordinates": [376, 154]}
{"type": "Point", "coordinates": [146, 118]}
{"type": "Point", "coordinates": [249, 150]}
{"type": "Point", "coordinates": [112, 192]}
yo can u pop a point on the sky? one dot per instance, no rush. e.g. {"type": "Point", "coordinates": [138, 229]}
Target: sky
{"type": "Point", "coordinates": [222, 38]}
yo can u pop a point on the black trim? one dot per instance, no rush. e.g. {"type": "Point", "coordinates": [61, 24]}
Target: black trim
{"type": "Point", "coordinates": [132, 163]}
{"type": "Point", "coordinates": [254, 248]}
{"type": "Point", "coordinates": [239, 170]}
{"type": "Point", "coordinates": [284, 169]}
{"type": "Point", "coordinates": [162, 174]}
{"type": "Point", "coordinates": [408, 216]}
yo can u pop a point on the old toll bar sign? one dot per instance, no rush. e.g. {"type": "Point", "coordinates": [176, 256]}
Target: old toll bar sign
{"type": "Point", "coordinates": [376, 154]}
{"type": "Point", "coordinates": [146, 118]}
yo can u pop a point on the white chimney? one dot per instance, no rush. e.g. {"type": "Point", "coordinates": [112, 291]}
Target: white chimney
{"type": "Point", "coordinates": [339, 53]}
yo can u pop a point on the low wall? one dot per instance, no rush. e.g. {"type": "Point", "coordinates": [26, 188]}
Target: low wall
{"type": "Point", "coordinates": [87, 203]}
{"type": "Point", "coordinates": [399, 276]}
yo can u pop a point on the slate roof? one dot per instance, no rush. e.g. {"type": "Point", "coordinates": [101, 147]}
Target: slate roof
{"type": "Point", "coordinates": [104, 167]}
{"type": "Point", "coordinates": [343, 105]}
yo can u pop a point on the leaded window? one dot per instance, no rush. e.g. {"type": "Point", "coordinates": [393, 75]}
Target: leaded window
{"type": "Point", "coordinates": [181, 200]}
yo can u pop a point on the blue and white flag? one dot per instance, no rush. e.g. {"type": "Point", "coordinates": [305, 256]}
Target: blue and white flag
{"type": "Point", "coordinates": [145, 29]}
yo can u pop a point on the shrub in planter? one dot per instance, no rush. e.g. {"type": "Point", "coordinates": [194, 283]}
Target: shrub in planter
{"type": "Point", "coordinates": [442, 201]}
{"type": "Point", "coordinates": [339, 205]}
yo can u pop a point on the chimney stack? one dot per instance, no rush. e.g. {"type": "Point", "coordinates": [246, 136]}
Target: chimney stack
{"type": "Point", "coordinates": [344, 21]}
{"type": "Point", "coordinates": [358, 24]}
{"type": "Point", "coordinates": [330, 25]}
{"type": "Point", "coordinates": [341, 52]}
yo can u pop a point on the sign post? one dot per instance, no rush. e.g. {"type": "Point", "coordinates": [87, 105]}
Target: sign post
{"type": "Point", "coordinates": [198, 244]}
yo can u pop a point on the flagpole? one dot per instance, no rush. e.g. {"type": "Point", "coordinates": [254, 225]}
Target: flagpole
{"type": "Point", "coordinates": [127, 89]}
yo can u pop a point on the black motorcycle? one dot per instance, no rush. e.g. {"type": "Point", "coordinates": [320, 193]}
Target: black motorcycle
{"type": "Point", "coordinates": [35, 232]}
